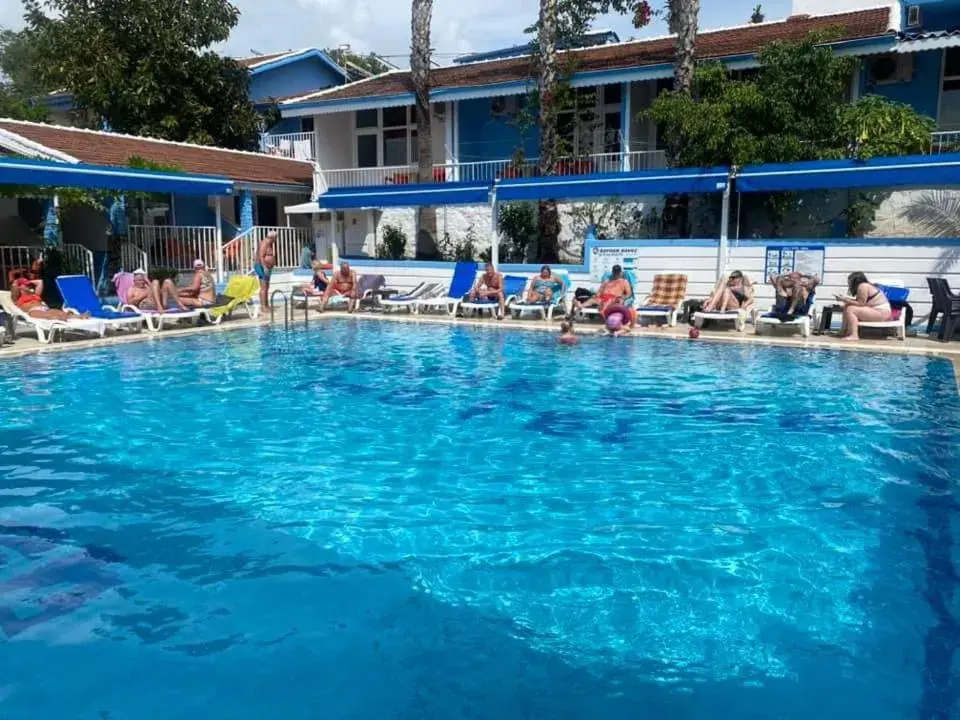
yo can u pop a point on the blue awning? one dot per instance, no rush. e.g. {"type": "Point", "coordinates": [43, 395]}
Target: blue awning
{"type": "Point", "coordinates": [631, 184]}
{"type": "Point", "coordinates": [48, 173]}
{"type": "Point", "coordinates": [907, 171]}
{"type": "Point", "coordinates": [412, 195]}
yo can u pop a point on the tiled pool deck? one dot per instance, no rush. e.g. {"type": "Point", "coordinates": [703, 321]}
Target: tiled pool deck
{"type": "Point", "coordinates": [919, 345]}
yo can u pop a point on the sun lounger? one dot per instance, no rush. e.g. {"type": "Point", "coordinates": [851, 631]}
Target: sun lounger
{"type": "Point", "coordinates": [79, 297]}
{"type": "Point", "coordinates": [738, 317]}
{"type": "Point", "coordinates": [241, 291]}
{"type": "Point", "coordinates": [366, 286]}
{"type": "Point", "coordinates": [665, 299]}
{"type": "Point", "coordinates": [461, 283]}
{"type": "Point", "coordinates": [513, 286]}
{"type": "Point", "coordinates": [544, 309]}
{"type": "Point", "coordinates": [155, 320]}
{"type": "Point", "coordinates": [803, 319]}
{"type": "Point", "coordinates": [409, 300]}
{"type": "Point", "coordinates": [897, 297]}
{"type": "Point", "coordinates": [47, 329]}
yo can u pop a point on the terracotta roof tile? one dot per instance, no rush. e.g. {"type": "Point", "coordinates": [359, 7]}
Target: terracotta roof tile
{"type": "Point", "coordinates": [114, 149]}
{"type": "Point", "coordinates": [710, 45]}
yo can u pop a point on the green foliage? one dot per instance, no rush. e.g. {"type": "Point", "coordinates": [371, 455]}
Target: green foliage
{"type": "Point", "coordinates": [757, 16]}
{"type": "Point", "coordinates": [456, 250]}
{"type": "Point", "coordinates": [17, 84]}
{"type": "Point", "coordinates": [575, 17]}
{"type": "Point", "coordinates": [368, 62]}
{"type": "Point", "coordinates": [794, 108]}
{"type": "Point", "coordinates": [610, 219]}
{"type": "Point", "coordinates": [394, 245]}
{"type": "Point", "coordinates": [519, 227]}
{"type": "Point", "coordinates": [145, 67]}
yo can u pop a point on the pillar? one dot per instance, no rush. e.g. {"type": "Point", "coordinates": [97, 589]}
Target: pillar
{"type": "Point", "coordinates": [219, 218]}
{"type": "Point", "coordinates": [495, 242]}
{"type": "Point", "coordinates": [626, 126]}
{"type": "Point", "coordinates": [51, 223]}
{"type": "Point", "coordinates": [246, 210]}
{"type": "Point", "coordinates": [724, 225]}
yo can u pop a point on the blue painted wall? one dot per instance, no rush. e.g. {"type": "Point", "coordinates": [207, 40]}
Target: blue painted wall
{"type": "Point", "coordinates": [193, 210]}
{"type": "Point", "coordinates": [923, 92]}
{"type": "Point", "coordinates": [302, 76]}
{"type": "Point", "coordinates": [941, 15]}
{"type": "Point", "coordinates": [484, 137]}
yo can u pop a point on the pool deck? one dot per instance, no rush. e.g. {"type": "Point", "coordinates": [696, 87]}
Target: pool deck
{"type": "Point", "coordinates": [918, 345]}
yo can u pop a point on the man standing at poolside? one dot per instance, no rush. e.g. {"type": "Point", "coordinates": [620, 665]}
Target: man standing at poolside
{"type": "Point", "coordinates": [266, 259]}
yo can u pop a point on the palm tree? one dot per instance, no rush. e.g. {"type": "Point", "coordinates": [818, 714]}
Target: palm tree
{"type": "Point", "coordinates": [547, 78]}
{"type": "Point", "coordinates": [683, 20]}
{"type": "Point", "coordinates": [936, 213]}
{"type": "Point", "coordinates": [421, 14]}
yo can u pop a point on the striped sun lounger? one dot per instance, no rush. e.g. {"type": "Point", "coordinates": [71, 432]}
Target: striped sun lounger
{"type": "Point", "coordinates": [665, 299]}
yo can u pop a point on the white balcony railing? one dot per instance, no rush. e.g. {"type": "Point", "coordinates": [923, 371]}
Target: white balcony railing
{"type": "Point", "coordinates": [239, 255]}
{"type": "Point", "coordinates": [491, 170]}
{"type": "Point", "coordinates": [945, 141]}
{"type": "Point", "coordinates": [176, 246]}
{"type": "Point", "coordinates": [80, 259]}
{"type": "Point", "coordinates": [22, 257]}
{"type": "Point", "coordinates": [133, 257]}
{"type": "Point", "coordinates": [299, 146]}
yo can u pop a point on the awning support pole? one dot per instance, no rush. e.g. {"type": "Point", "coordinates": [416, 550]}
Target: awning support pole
{"type": "Point", "coordinates": [219, 239]}
{"type": "Point", "coordinates": [724, 226]}
{"type": "Point", "coordinates": [495, 234]}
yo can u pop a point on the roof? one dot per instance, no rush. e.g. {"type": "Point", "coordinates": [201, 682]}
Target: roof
{"type": "Point", "coordinates": [114, 149]}
{"type": "Point", "coordinates": [590, 39]}
{"type": "Point", "coordinates": [261, 63]}
{"type": "Point", "coordinates": [732, 42]}
{"type": "Point", "coordinates": [931, 40]}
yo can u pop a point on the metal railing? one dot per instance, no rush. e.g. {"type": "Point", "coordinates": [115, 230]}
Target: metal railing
{"type": "Point", "coordinates": [133, 258]}
{"type": "Point", "coordinates": [945, 141]}
{"type": "Point", "coordinates": [17, 257]}
{"type": "Point", "coordinates": [491, 170]}
{"type": "Point", "coordinates": [240, 254]}
{"type": "Point", "coordinates": [177, 246]}
{"type": "Point", "coordinates": [299, 146]}
{"type": "Point", "coordinates": [79, 258]}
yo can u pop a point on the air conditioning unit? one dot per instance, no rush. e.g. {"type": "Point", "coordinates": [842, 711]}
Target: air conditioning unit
{"type": "Point", "coordinates": [914, 18]}
{"type": "Point", "coordinates": [891, 68]}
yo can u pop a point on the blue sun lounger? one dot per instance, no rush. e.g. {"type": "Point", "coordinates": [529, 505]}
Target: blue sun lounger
{"type": "Point", "coordinates": [460, 284]}
{"type": "Point", "coordinates": [80, 297]}
{"type": "Point", "coordinates": [513, 286]}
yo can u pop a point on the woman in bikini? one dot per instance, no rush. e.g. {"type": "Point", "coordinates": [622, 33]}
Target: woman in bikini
{"type": "Point", "coordinates": [734, 294]}
{"type": "Point", "coordinates": [202, 292]}
{"type": "Point", "coordinates": [28, 296]}
{"type": "Point", "coordinates": [865, 303]}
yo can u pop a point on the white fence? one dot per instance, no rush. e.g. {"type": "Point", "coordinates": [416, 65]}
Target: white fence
{"type": "Point", "coordinates": [21, 257]}
{"type": "Point", "coordinates": [945, 141]}
{"type": "Point", "coordinates": [133, 258]}
{"type": "Point", "coordinates": [177, 246]}
{"type": "Point", "coordinates": [80, 259]}
{"type": "Point", "coordinates": [240, 254]}
{"type": "Point", "coordinates": [299, 146]}
{"type": "Point", "coordinates": [490, 170]}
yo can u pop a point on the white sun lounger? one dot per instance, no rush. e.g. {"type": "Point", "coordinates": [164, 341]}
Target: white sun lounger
{"type": "Point", "coordinates": [47, 329]}
{"type": "Point", "coordinates": [804, 322]}
{"type": "Point", "coordinates": [513, 286]}
{"type": "Point", "coordinates": [738, 317]}
{"type": "Point", "coordinates": [408, 301]}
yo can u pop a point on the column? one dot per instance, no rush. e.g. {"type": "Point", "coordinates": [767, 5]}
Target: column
{"type": "Point", "coordinates": [724, 224]}
{"type": "Point", "coordinates": [219, 218]}
{"type": "Point", "coordinates": [51, 223]}
{"type": "Point", "coordinates": [449, 150]}
{"type": "Point", "coordinates": [495, 234]}
{"type": "Point", "coordinates": [626, 126]}
{"type": "Point", "coordinates": [246, 210]}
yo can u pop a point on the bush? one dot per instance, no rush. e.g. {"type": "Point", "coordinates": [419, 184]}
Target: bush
{"type": "Point", "coordinates": [394, 245]}
{"type": "Point", "coordinates": [520, 227]}
{"type": "Point", "coordinates": [465, 249]}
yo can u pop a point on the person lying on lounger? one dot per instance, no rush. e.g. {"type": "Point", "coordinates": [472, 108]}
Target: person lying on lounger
{"type": "Point", "coordinates": [793, 290]}
{"type": "Point", "coordinates": [615, 290]}
{"type": "Point", "coordinates": [544, 287]}
{"type": "Point", "coordinates": [489, 286]}
{"type": "Point", "coordinates": [734, 293]}
{"type": "Point", "coordinates": [318, 283]}
{"type": "Point", "coordinates": [152, 296]}
{"type": "Point", "coordinates": [202, 291]}
{"type": "Point", "coordinates": [28, 296]}
{"type": "Point", "coordinates": [343, 283]}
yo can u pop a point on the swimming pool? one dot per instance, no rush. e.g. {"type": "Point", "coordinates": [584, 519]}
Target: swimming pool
{"type": "Point", "coordinates": [373, 520]}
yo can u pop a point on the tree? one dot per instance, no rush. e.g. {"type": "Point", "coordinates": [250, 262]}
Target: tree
{"type": "Point", "coordinates": [757, 16]}
{"type": "Point", "coordinates": [356, 63]}
{"type": "Point", "coordinates": [420, 16]}
{"type": "Point", "coordinates": [682, 19]}
{"type": "Point", "coordinates": [795, 108]}
{"type": "Point", "coordinates": [17, 84]}
{"type": "Point", "coordinates": [145, 66]}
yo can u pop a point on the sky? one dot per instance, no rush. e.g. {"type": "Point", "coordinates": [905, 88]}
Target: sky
{"type": "Point", "coordinates": [383, 26]}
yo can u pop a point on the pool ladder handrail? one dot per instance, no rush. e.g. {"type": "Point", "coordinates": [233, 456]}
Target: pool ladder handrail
{"type": "Point", "coordinates": [286, 307]}
{"type": "Point", "coordinates": [306, 304]}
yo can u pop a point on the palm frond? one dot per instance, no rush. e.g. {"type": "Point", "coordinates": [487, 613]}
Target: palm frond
{"type": "Point", "coordinates": [935, 213]}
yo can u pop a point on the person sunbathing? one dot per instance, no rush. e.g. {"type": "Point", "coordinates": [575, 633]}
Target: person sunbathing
{"type": "Point", "coordinates": [28, 296]}
{"type": "Point", "coordinates": [615, 290]}
{"type": "Point", "coordinates": [733, 294]}
{"type": "Point", "coordinates": [318, 283]}
{"type": "Point", "coordinates": [544, 287]}
{"type": "Point", "coordinates": [202, 291]}
{"type": "Point", "coordinates": [153, 296]}
{"type": "Point", "coordinates": [489, 286]}
{"type": "Point", "coordinates": [344, 284]}
{"type": "Point", "coordinates": [793, 290]}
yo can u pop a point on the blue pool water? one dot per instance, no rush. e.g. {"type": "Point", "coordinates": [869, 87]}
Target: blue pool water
{"type": "Point", "coordinates": [378, 520]}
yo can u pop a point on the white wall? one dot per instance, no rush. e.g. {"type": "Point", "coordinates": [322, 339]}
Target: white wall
{"type": "Point", "coordinates": [334, 137]}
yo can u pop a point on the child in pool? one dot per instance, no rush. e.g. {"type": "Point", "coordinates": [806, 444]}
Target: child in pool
{"type": "Point", "coordinates": [567, 336]}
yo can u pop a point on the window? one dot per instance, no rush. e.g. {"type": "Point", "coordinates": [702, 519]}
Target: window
{"type": "Point", "coordinates": [385, 138]}
{"type": "Point", "coordinates": [306, 125]}
{"type": "Point", "coordinates": [950, 91]}
{"type": "Point", "coordinates": [593, 124]}
{"type": "Point", "coordinates": [612, 94]}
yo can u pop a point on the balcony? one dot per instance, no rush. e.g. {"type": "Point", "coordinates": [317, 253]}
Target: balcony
{"type": "Point", "coordinates": [490, 170]}
{"type": "Point", "coordinates": [297, 146]}
{"type": "Point", "coordinates": [945, 141]}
